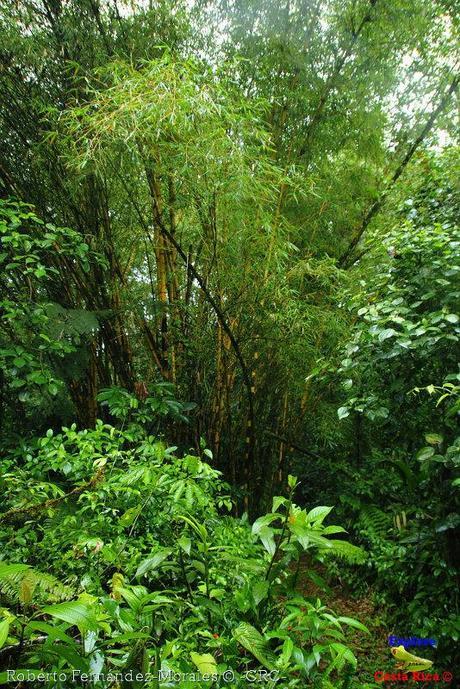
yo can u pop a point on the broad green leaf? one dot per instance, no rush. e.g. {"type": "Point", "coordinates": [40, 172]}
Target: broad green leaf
{"type": "Point", "coordinates": [292, 481]}
{"type": "Point", "coordinates": [267, 536]}
{"type": "Point", "coordinates": [316, 650]}
{"type": "Point", "coordinates": [307, 536]}
{"type": "Point", "coordinates": [433, 438]}
{"type": "Point", "coordinates": [128, 517]}
{"type": "Point", "coordinates": [8, 570]}
{"type": "Point", "coordinates": [286, 653]}
{"type": "Point", "coordinates": [254, 642]}
{"type": "Point", "coordinates": [277, 501]}
{"type": "Point", "coordinates": [53, 633]}
{"type": "Point", "coordinates": [89, 641]}
{"type": "Point", "coordinates": [302, 660]}
{"type": "Point", "coordinates": [344, 652]}
{"type": "Point", "coordinates": [343, 412]}
{"type": "Point", "coordinates": [199, 566]}
{"type": "Point", "coordinates": [4, 629]}
{"type": "Point", "coordinates": [185, 544]}
{"type": "Point", "coordinates": [318, 514]}
{"type": "Point", "coordinates": [386, 334]}
{"type": "Point", "coordinates": [205, 663]}
{"type": "Point", "coordinates": [96, 663]}
{"type": "Point", "coordinates": [128, 636]}
{"type": "Point", "coordinates": [198, 528]}
{"type": "Point", "coordinates": [351, 622]}
{"type": "Point", "coordinates": [73, 613]}
{"type": "Point", "coordinates": [333, 529]}
{"type": "Point", "coordinates": [425, 453]}
{"type": "Point", "coordinates": [263, 521]}
{"type": "Point", "coordinates": [73, 657]}
{"type": "Point", "coordinates": [260, 591]}
{"type": "Point", "coordinates": [152, 562]}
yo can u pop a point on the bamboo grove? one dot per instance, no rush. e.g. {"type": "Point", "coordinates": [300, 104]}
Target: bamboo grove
{"type": "Point", "coordinates": [226, 164]}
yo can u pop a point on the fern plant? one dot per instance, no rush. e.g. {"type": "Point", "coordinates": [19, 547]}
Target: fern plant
{"type": "Point", "coordinates": [24, 584]}
{"type": "Point", "coordinates": [375, 521]}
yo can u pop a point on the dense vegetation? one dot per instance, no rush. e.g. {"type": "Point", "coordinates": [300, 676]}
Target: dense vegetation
{"type": "Point", "coordinates": [230, 271]}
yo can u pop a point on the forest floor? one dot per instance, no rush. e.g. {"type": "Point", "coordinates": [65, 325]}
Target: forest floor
{"type": "Point", "coordinates": [372, 650]}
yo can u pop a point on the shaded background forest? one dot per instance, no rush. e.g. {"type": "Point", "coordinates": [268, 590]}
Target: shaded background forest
{"type": "Point", "coordinates": [262, 256]}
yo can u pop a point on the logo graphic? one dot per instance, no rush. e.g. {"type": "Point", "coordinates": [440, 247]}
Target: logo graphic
{"type": "Point", "coordinates": [408, 662]}
{"type": "Point", "coordinates": [411, 641]}
{"type": "Point", "coordinates": [411, 668]}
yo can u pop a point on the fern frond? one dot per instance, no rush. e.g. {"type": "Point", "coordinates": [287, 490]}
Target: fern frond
{"type": "Point", "coordinates": [21, 583]}
{"type": "Point", "coordinates": [375, 521]}
{"type": "Point", "coordinates": [347, 551]}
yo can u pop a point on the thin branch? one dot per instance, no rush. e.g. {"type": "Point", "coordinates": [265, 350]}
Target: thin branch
{"type": "Point", "coordinates": [21, 514]}
{"type": "Point", "coordinates": [344, 259]}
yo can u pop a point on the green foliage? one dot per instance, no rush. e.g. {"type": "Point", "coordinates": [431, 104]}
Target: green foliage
{"type": "Point", "coordinates": [408, 322]}
{"type": "Point", "coordinates": [258, 150]}
{"type": "Point", "coordinates": [20, 583]}
{"type": "Point", "coordinates": [147, 572]}
{"type": "Point", "coordinates": [37, 335]}
{"type": "Point", "coordinates": [254, 207]}
{"type": "Point", "coordinates": [400, 373]}
{"type": "Point", "coordinates": [160, 401]}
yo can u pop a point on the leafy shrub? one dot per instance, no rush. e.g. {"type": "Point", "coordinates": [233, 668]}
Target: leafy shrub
{"type": "Point", "coordinates": [145, 571]}
{"type": "Point", "coordinates": [400, 374]}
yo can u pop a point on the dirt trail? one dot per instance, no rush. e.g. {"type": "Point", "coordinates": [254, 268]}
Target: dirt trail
{"type": "Point", "coordinates": [371, 650]}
